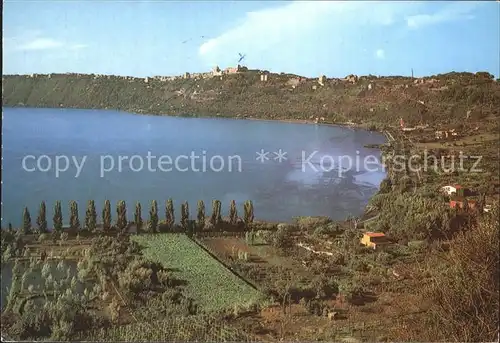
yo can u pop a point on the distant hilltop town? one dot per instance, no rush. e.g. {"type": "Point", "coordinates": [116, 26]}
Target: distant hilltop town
{"type": "Point", "coordinates": [216, 71]}
{"type": "Point", "coordinates": [293, 80]}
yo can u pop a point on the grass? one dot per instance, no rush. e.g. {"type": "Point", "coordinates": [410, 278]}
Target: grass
{"type": "Point", "coordinates": [211, 284]}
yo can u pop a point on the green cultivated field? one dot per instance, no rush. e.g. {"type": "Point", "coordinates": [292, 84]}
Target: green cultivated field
{"type": "Point", "coordinates": [211, 284]}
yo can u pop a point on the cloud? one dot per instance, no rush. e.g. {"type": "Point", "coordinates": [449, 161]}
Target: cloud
{"type": "Point", "coordinates": [78, 46]}
{"type": "Point", "coordinates": [40, 44]}
{"type": "Point", "coordinates": [34, 40]}
{"type": "Point", "coordinates": [380, 54]}
{"type": "Point", "coordinates": [453, 12]}
{"type": "Point", "coordinates": [290, 26]}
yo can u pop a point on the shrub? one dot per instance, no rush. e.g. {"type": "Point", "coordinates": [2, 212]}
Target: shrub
{"type": "Point", "coordinates": [305, 223]}
{"type": "Point", "coordinates": [464, 287]}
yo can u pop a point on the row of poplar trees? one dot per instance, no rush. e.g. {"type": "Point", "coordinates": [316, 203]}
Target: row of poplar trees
{"type": "Point", "coordinates": [121, 223]}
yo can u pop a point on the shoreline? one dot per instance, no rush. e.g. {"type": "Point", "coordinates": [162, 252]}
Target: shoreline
{"type": "Point", "coordinates": [352, 126]}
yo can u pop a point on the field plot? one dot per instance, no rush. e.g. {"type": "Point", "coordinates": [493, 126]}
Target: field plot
{"type": "Point", "coordinates": [263, 264]}
{"type": "Point", "coordinates": [259, 253]}
{"type": "Point", "coordinates": [211, 284]}
{"type": "Point", "coordinates": [178, 329]}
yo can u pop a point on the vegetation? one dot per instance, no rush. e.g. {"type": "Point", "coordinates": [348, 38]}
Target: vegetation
{"type": "Point", "coordinates": [446, 100]}
{"type": "Point", "coordinates": [138, 216]}
{"type": "Point", "coordinates": [26, 221]}
{"type": "Point", "coordinates": [91, 216]}
{"type": "Point", "coordinates": [106, 216]}
{"type": "Point", "coordinates": [153, 217]}
{"type": "Point", "coordinates": [170, 214]}
{"type": "Point", "coordinates": [41, 220]}
{"type": "Point", "coordinates": [200, 217]}
{"type": "Point", "coordinates": [208, 281]}
{"type": "Point", "coordinates": [233, 214]}
{"type": "Point", "coordinates": [216, 217]}
{"type": "Point", "coordinates": [74, 222]}
{"type": "Point", "coordinates": [58, 221]}
{"type": "Point", "coordinates": [184, 215]}
{"type": "Point", "coordinates": [121, 216]}
{"type": "Point", "coordinates": [248, 212]}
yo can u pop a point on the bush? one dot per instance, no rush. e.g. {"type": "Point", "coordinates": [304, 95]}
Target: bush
{"type": "Point", "coordinates": [306, 223]}
{"type": "Point", "coordinates": [43, 237]}
{"type": "Point", "coordinates": [464, 287]}
{"type": "Point", "coordinates": [329, 229]}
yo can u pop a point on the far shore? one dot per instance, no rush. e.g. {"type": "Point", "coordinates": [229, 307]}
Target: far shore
{"type": "Point", "coordinates": [348, 125]}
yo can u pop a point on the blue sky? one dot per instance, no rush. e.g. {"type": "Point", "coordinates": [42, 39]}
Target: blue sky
{"type": "Point", "coordinates": [141, 38]}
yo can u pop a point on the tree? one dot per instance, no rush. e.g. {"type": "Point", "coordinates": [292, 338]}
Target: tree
{"type": "Point", "coordinates": [233, 213]}
{"type": "Point", "coordinates": [216, 217]}
{"type": "Point", "coordinates": [57, 218]}
{"type": "Point", "coordinates": [26, 221]}
{"type": "Point", "coordinates": [169, 214]}
{"type": "Point", "coordinates": [74, 222]}
{"type": "Point", "coordinates": [121, 216]}
{"type": "Point", "coordinates": [248, 212]}
{"type": "Point", "coordinates": [41, 220]}
{"type": "Point", "coordinates": [184, 215]}
{"type": "Point", "coordinates": [91, 216]}
{"type": "Point", "coordinates": [201, 215]}
{"type": "Point", "coordinates": [283, 286]}
{"type": "Point", "coordinates": [106, 216]}
{"type": "Point", "coordinates": [153, 217]}
{"type": "Point", "coordinates": [138, 216]}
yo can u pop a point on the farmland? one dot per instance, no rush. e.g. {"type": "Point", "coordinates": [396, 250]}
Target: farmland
{"type": "Point", "coordinates": [183, 329]}
{"type": "Point", "coordinates": [208, 281]}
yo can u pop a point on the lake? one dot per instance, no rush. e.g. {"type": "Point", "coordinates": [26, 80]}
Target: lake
{"type": "Point", "coordinates": [286, 169]}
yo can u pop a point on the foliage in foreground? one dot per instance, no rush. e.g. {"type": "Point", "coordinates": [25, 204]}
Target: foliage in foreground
{"type": "Point", "coordinates": [464, 287]}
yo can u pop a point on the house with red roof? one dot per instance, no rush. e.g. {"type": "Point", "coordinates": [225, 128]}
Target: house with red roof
{"type": "Point", "coordinates": [374, 239]}
{"type": "Point", "coordinates": [462, 203]}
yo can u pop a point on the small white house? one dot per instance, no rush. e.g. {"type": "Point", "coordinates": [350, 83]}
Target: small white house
{"type": "Point", "coordinates": [450, 190]}
{"type": "Point", "coordinates": [487, 208]}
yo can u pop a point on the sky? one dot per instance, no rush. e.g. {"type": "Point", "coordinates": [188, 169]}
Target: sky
{"type": "Point", "coordinates": [147, 38]}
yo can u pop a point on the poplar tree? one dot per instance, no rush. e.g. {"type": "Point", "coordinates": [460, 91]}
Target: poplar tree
{"type": "Point", "coordinates": [233, 213]}
{"type": "Point", "coordinates": [26, 221]}
{"type": "Point", "coordinates": [138, 216]}
{"type": "Point", "coordinates": [201, 215]}
{"type": "Point", "coordinates": [169, 214]}
{"type": "Point", "coordinates": [121, 215]}
{"type": "Point", "coordinates": [216, 217]}
{"type": "Point", "coordinates": [91, 216]}
{"type": "Point", "coordinates": [248, 212]}
{"type": "Point", "coordinates": [153, 217]}
{"type": "Point", "coordinates": [41, 220]}
{"type": "Point", "coordinates": [184, 215]}
{"type": "Point", "coordinates": [57, 218]}
{"type": "Point", "coordinates": [74, 221]}
{"type": "Point", "coordinates": [106, 216]}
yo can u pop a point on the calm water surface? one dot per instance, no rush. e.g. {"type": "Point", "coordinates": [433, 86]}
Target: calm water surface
{"type": "Point", "coordinates": [280, 190]}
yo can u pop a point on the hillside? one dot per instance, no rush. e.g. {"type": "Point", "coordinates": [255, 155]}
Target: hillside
{"type": "Point", "coordinates": [366, 101]}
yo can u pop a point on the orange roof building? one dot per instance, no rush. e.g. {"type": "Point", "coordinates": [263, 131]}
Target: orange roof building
{"type": "Point", "coordinates": [374, 239]}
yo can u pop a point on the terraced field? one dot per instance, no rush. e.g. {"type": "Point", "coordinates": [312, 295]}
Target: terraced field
{"type": "Point", "coordinates": [209, 282]}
